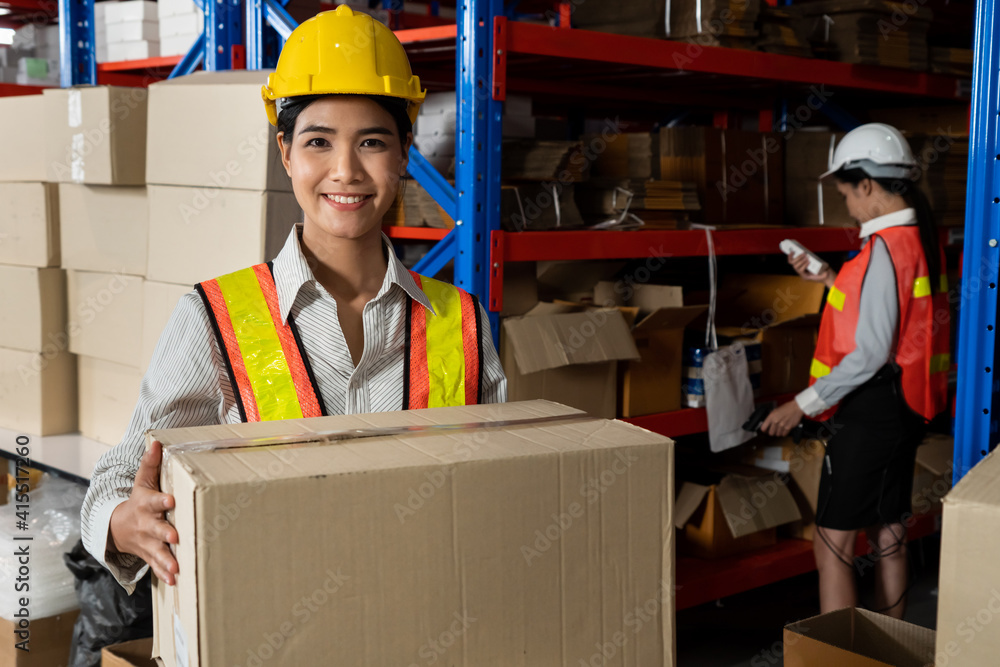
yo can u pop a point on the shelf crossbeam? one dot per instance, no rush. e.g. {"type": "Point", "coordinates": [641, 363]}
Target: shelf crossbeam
{"type": "Point", "coordinates": [975, 422]}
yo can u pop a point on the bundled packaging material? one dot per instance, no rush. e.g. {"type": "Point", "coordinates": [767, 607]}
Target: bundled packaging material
{"type": "Point", "coordinates": [531, 160]}
{"type": "Point", "coordinates": [625, 155]}
{"type": "Point", "coordinates": [869, 32]}
{"type": "Point", "coordinates": [417, 209]}
{"type": "Point", "coordinates": [392, 564]}
{"type": "Point", "coordinates": [857, 638]}
{"type": "Point", "coordinates": [808, 201]}
{"type": "Point", "coordinates": [568, 354]}
{"type": "Point", "coordinates": [969, 584]}
{"type": "Point", "coordinates": [782, 31]}
{"type": "Point", "coordinates": [104, 228]}
{"type": "Point", "coordinates": [538, 206]}
{"type": "Point", "coordinates": [38, 391]}
{"type": "Point", "coordinates": [651, 203]}
{"type": "Point", "coordinates": [96, 135]}
{"type": "Point", "coordinates": [199, 233]}
{"type": "Point", "coordinates": [714, 22]}
{"type": "Point", "coordinates": [738, 174]}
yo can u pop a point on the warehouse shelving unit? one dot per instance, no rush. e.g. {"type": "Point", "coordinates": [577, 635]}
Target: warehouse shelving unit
{"type": "Point", "coordinates": [485, 55]}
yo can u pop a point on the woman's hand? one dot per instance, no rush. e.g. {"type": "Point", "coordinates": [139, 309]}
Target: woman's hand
{"type": "Point", "coordinates": [782, 420]}
{"type": "Point", "coordinates": [826, 275]}
{"type": "Point", "coordinates": [138, 526]}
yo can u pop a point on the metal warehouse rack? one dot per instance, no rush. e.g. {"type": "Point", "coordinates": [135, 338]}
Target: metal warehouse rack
{"type": "Point", "coordinates": [486, 54]}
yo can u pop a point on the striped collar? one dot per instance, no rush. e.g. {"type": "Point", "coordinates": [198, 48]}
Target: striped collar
{"type": "Point", "coordinates": [292, 271]}
{"type": "Point", "coordinates": [907, 216]}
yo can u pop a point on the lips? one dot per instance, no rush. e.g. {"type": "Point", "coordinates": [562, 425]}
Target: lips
{"type": "Point", "coordinates": [347, 199]}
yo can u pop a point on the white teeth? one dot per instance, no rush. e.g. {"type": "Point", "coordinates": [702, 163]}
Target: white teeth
{"type": "Point", "coordinates": [340, 199]}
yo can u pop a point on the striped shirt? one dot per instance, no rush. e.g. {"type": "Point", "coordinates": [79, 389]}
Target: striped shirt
{"type": "Point", "coordinates": [186, 383]}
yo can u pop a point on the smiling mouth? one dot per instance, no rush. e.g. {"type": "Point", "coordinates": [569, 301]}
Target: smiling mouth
{"type": "Point", "coordinates": [344, 199]}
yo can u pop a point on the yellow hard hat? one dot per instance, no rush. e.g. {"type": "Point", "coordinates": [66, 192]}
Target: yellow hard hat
{"type": "Point", "coordinates": [342, 52]}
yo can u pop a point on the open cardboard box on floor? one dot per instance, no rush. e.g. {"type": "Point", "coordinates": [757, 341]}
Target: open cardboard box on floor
{"type": "Point", "coordinates": [737, 512]}
{"type": "Point", "coordinates": [518, 533]}
{"type": "Point", "coordinates": [969, 580]}
{"type": "Point", "coordinates": [859, 638]}
{"type": "Point", "coordinates": [782, 313]}
{"type": "Point", "coordinates": [567, 353]}
{"type": "Point", "coordinates": [652, 383]}
{"type": "Point", "coordinates": [134, 653]}
{"type": "Point", "coordinates": [802, 463]}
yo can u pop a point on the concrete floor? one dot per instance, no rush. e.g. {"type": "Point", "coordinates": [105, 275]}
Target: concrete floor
{"type": "Point", "coordinates": [745, 630]}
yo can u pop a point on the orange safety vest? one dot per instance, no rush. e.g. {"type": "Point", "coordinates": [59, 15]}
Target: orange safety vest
{"type": "Point", "coordinates": [270, 371]}
{"type": "Point", "coordinates": [922, 351]}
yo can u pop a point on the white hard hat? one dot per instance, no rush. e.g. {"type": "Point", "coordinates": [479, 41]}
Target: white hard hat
{"type": "Point", "coordinates": [877, 149]}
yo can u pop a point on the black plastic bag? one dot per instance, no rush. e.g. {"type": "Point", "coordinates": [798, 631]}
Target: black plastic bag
{"type": "Point", "coordinates": [108, 614]}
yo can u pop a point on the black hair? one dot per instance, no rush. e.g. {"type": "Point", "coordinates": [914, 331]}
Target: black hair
{"type": "Point", "coordinates": [293, 106]}
{"type": "Point", "coordinates": [916, 199]}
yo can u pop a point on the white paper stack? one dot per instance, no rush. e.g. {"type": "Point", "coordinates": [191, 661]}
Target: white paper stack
{"type": "Point", "coordinates": [180, 24]}
{"type": "Point", "coordinates": [131, 30]}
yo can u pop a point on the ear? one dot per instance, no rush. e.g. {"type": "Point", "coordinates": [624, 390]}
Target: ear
{"type": "Point", "coordinates": [865, 187]}
{"type": "Point", "coordinates": [406, 154]}
{"type": "Point", "coordinates": [286, 150]}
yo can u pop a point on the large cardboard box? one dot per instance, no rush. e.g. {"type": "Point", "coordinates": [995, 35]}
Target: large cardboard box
{"type": "Point", "coordinates": [420, 536]}
{"type": "Point", "coordinates": [50, 641]}
{"type": "Point", "coordinates": [197, 234]}
{"type": "Point", "coordinates": [24, 117]}
{"type": "Point", "coordinates": [34, 301]}
{"type": "Point", "coordinates": [232, 147]}
{"type": "Point", "coordinates": [96, 135]}
{"type": "Point", "coordinates": [738, 512]}
{"type": "Point", "coordinates": [29, 224]}
{"type": "Point", "coordinates": [651, 384]}
{"type": "Point", "coordinates": [808, 202]}
{"type": "Point", "coordinates": [135, 653]}
{"type": "Point", "coordinates": [557, 354]}
{"type": "Point", "coordinates": [158, 303]}
{"type": "Point", "coordinates": [104, 228]}
{"type": "Point", "coordinates": [105, 316]}
{"type": "Point", "coordinates": [107, 394]}
{"type": "Point", "coordinates": [858, 638]}
{"type": "Point", "coordinates": [38, 391]}
{"type": "Point", "coordinates": [969, 581]}
{"type": "Point", "coordinates": [782, 314]}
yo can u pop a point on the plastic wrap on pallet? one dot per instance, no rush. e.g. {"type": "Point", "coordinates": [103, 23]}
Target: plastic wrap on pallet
{"type": "Point", "coordinates": [53, 523]}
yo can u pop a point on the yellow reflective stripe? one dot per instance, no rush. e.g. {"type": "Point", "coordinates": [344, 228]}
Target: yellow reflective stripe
{"type": "Point", "coordinates": [445, 345]}
{"type": "Point", "coordinates": [819, 369]}
{"type": "Point", "coordinates": [921, 287]}
{"type": "Point", "coordinates": [940, 363]}
{"type": "Point", "coordinates": [260, 347]}
{"type": "Point", "coordinates": [944, 283]}
{"type": "Point", "coordinates": [836, 298]}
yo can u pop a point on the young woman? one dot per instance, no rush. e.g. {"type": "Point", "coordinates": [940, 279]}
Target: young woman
{"type": "Point", "coordinates": [880, 371]}
{"type": "Point", "coordinates": [333, 325]}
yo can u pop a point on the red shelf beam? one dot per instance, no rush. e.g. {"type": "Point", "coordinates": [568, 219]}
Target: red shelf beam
{"type": "Point", "coordinates": [701, 580]}
{"type": "Point", "coordinates": [428, 34]}
{"type": "Point", "coordinates": [682, 57]}
{"type": "Point", "coordinates": [140, 65]}
{"type": "Point", "coordinates": [13, 89]}
{"type": "Point", "coordinates": [415, 233]}
{"type": "Point", "coordinates": [687, 421]}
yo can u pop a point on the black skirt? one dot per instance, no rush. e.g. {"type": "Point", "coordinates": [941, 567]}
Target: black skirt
{"type": "Point", "coordinates": [867, 477]}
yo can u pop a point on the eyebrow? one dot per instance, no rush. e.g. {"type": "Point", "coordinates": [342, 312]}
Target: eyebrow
{"type": "Point", "coordinates": [329, 130]}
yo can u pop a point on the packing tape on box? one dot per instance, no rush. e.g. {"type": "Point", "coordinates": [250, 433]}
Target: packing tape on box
{"type": "Point", "coordinates": [74, 107]}
{"type": "Point", "coordinates": [77, 147]}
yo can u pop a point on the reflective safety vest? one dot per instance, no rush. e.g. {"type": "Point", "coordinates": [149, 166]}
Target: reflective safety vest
{"type": "Point", "coordinates": [270, 371]}
{"type": "Point", "coordinates": [921, 351]}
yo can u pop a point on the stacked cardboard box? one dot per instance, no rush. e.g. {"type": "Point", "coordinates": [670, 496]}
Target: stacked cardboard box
{"type": "Point", "coordinates": [809, 202]}
{"type": "Point", "coordinates": [180, 24]}
{"type": "Point", "coordinates": [34, 56]}
{"type": "Point", "coordinates": [96, 153]}
{"type": "Point", "coordinates": [37, 369]}
{"type": "Point", "coordinates": [131, 30]}
{"type": "Point", "coordinates": [707, 22]}
{"type": "Point", "coordinates": [417, 209]}
{"type": "Point", "coordinates": [869, 32]}
{"type": "Point", "coordinates": [782, 31]}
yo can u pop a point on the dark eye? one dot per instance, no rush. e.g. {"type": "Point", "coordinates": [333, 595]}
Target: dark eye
{"type": "Point", "coordinates": [318, 142]}
{"type": "Point", "coordinates": [372, 143]}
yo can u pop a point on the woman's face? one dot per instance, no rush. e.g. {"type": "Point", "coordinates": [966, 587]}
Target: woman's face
{"type": "Point", "coordinates": [865, 201]}
{"type": "Point", "coordinates": [345, 161]}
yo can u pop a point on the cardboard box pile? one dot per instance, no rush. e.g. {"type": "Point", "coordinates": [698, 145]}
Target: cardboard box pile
{"type": "Point", "coordinates": [859, 638]}
{"type": "Point", "coordinates": [801, 465]}
{"type": "Point", "coordinates": [944, 160]}
{"type": "Point", "coordinates": [400, 537]}
{"type": "Point", "coordinates": [37, 370]}
{"type": "Point", "coordinates": [135, 653]}
{"type": "Point", "coordinates": [219, 197]}
{"type": "Point", "coordinates": [417, 209]}
{"type": "Point", "coordinates": [809, 202]}
{"type": "Point", "coordinates": [180, 24]}
{"type": "Point", "coordinates": [781, 31]}
{"type": "Point", "coordinates": [131, 30]}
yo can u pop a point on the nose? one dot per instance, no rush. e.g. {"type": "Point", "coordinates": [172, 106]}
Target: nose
{"type": "Point", "coordinates": [345, 166]}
